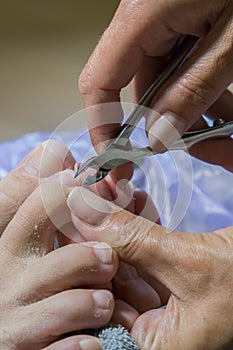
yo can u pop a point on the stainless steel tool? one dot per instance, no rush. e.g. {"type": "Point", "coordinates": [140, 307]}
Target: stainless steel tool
{"type": "Point", "coordinates": [116, 153]}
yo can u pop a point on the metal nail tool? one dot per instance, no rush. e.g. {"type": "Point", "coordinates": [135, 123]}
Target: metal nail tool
{"type": "Point", "coordinates": [116, 153]}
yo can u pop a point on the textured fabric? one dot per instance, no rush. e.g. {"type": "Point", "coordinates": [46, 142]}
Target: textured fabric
{"type": "Point", "coordinates": [116, 337]}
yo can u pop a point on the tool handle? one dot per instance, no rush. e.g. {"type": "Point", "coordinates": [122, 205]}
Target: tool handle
{"type": "Point", "coordinates": [192, 138]}
{"type": "Point", "coordinates": [176, 60]}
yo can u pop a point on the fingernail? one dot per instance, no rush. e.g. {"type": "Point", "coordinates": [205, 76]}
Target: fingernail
{"type": "Point", "coordinates": [88, 207]}
{"type": "Point", "coordinates": [165, 131]}
{"type": "Point", "coordinates": [89, 344]}
{"type": "Point", "coordinates": [103, 252]}
{"type": "Point", "coordinates": [102, 299]}
{"type": "Point", "coordinates": [46, 160]}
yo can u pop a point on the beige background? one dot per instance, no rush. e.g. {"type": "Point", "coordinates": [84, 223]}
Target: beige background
{"type": "Point", "coordinates": [44, 45]}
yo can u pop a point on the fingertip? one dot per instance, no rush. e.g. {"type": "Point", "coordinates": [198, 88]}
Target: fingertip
{"type": "Point", "coordinates": [165, 131]}
{"type": "Point", "coordinates": [103, 299]}
{"type": "Point", "coordinates": [76, 342]}
{"type": "Point", "coordinates": [124, 314]}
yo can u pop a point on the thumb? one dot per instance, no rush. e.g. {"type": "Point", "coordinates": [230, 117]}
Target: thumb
{"type": "Point", "coordinates": [138, 241]}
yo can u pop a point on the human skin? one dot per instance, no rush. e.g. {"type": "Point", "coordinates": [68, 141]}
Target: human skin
{"type": "Point", "coordinates": [197, 269]}
{"type": "Point", "coordinates": [134, 48]}
{"type": "Point", "coordinates": [45, 293]}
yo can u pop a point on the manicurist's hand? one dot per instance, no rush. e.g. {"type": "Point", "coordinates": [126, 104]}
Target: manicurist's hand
{"type": "Point", "coordinates": [46, 293]}
{"type": "Point", "coordinates": [196, 269]}
{"type": "Point", "coordinates": [135, 48]}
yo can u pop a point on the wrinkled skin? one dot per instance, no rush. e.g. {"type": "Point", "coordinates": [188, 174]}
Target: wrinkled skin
{"type": "Point", "coordinates": [196, 269]}
{"type": "Point", "coordinates": [46, 293]}
{"type": "Point", "coordinates": [134, 48]}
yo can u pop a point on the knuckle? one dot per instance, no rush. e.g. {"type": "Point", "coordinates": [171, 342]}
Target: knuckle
{"type": "Point", "coordinates": [21, 221]}
{"type": "Point", "coordinates": [20, 178]}
{"type": "Point", "coordinates": [195, 91]}
{"type": "Point", "coordinates": [20, 175]}
{"type": "Point", "coordinates": [134, 236]}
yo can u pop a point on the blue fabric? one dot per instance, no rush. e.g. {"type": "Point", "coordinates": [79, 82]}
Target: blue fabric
{"type": "Point", "coordinates": [190, 195]}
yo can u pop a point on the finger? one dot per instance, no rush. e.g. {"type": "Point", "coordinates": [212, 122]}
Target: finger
{"type": "Point", "coordinates": [215, 151]}
{"type": "Point", "coordinates": [124, 194]}
{"type": "Point", "coordinates": [31, 232]}
{"type": "Point", "coordinates": [192, 90]}
{"type": "Point", "coordinates": [72, 266]}
{"type": "Point", "coordinates": [78, 342]}
{"type": "Point", "coordinates": [42, 162]}
{"type": "Point", "coordinates": [131, 288]}
{"type": "Point", "coordinates": [124, 314]}
{"type": "Point", "coordinates": [101, 187]}
{"type": "Point", "coordinates": [149, 70]}
{"type": "Point", "coordinates": [121, 192]}
{"type": "Point", "coordinates": [138, 240]}
{"type": "Point", "coordinates": [70, 236]}
{"type": "Point", "coordinates": [104, 130]}
{"type": "Point", "coordinates": [151, 330]}
{"type": "Point", "coordinates": [177, 327]}
{"type": "Point", "coordinates": [222, 108]}
{"type": "Point", "coordinates": [123, 47]}
{"type": "Point", "coordinates": [128, 285]}
{"type": "Point", "coordinates": [175, 259]}
{"type": "Point", "coordinates": [144, 206]}
{"type": "Point", "coordinates": [128, 281]}
{"type": "Point", "coordinates": [124, 54]}
{"type": "Point", "coordinates": [48, 319]}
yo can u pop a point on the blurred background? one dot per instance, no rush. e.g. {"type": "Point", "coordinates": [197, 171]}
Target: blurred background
{"type": "Point", "coordinates": [44, 45]}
